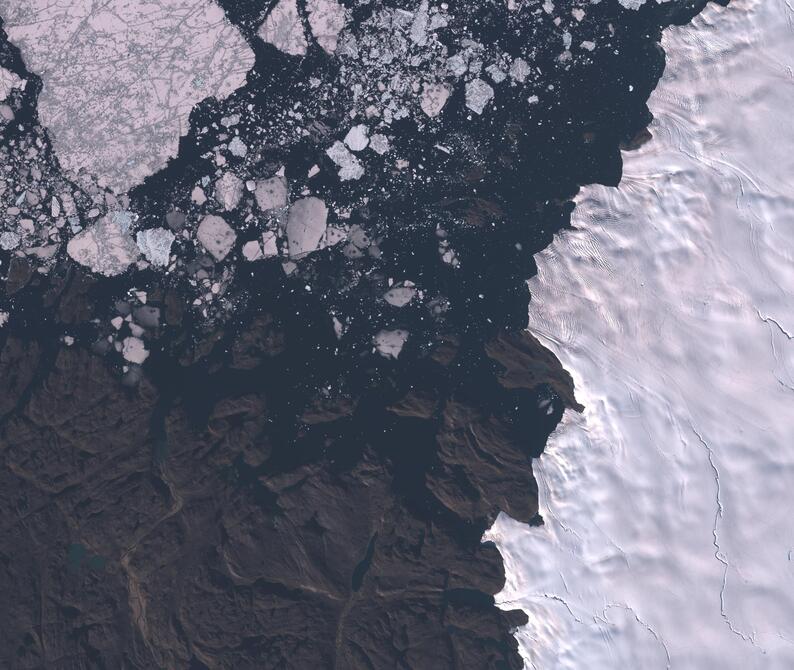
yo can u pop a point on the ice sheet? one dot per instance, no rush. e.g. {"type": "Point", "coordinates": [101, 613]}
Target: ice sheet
{"type": "Point", "coordinates": [668, 504]}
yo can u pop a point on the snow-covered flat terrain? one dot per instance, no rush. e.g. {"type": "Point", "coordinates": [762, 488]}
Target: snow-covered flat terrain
{"type": "Point", "coordinates": [669, 504]}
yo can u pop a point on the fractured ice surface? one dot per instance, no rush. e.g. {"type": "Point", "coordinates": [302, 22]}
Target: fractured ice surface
{"type": "Point", "coordinates": [105, 117]}
{"type": "Point", "coordinates": [155, 244]}
{"type": "Point", "coordinates": [668, 539]}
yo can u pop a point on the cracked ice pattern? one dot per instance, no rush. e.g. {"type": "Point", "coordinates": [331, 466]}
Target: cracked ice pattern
{"type": "Point", "coordinates": [670, 498]}
{"type": "Point", "coordinates": [120, 81]}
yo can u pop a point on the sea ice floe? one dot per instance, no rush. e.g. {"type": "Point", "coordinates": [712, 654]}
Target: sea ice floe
{"type": "Point", "coordinates": [269, 244]}
{"type": "Point", "coordinates": [349, 166]}
{"type": "Point", "coordinates": [357, 137]}
{"type": "Point", "coordinates": [95, 102]}
{"type": "Point", "coordinates": [389, 343]}
{"type": "Point", "coordinates": [155, 245]}
{"type": "Point", "coordinates": [252, 251]}
{"type": "Point", "coordinates": [229, 190]}
{"type": "Point", "coordinates": [400, 296]}
{"type": "Point", "coordinates": [8, 82]}
{"type": "Point", "coordinates": [198, 196]}
{"type": "Point", "coordinates": [9, 240]}
{"type": "Point", "coordinates": [216, 236]}
{"type": "Point", "coordinates": [272, 193]}
{"type": "Point", "coordinates": [379, 143]}
{"type": "Point", "coordinates": [434, 97]}
{"type": "Point", "coordinates": [284, 30]}
{"type": "Point", "coordinates": [134, 350]}
{"type": "Point", "coordinates": [519, 70]}
{"type": "Point", "coordinates": [306, 224]}
{"type": "Point", "coordinates": [326, 20]}
{"type": "Point", "coordinates": [478, 95]}
{"type": "Point", "coordinates": [104, 247]}
{"type": "Point", "coordinates": [238, 148]}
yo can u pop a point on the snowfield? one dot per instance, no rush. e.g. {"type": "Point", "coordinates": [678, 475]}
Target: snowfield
{"type": "Point", "coordinates": [669, 504]}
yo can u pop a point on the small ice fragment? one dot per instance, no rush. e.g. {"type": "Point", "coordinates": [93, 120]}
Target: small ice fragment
{"type": "Point", "coordinates": [632, 4]}
{"type": "Point", "coordinates": [496, 73]}
{"type": "Point", "coordinates": [389, 343]}
{"type": "Point", "coordinates": [434, 97]}
{"type": "Point", "coordinates": [306, 225]}
{"type": "Point", "coordinates": [272, 193]}
{"type": "Point", "coordinates": [216, 236]}
{"type": "Point", "coordinates": [269, 246]}
{"type": "Point", "coordinates": [339, 329]}
{"type": "Point", "coordinates": [478, 95]}
{"type": "Point", "coordinates": [175, 220]}
{"type": "Point", "coordinates": [399, 296]}
{"type": "Point", "coordinates": [229, 190]}
{"type": "Point", "coordinates": [519, 70]}
{"type": "Point", "coordinates": [349, 166]}
{"type": "Point", "coordinates": [4, 316]}
{"type": "Point", "coordinates": [134, 350]}
{"type": "Point", "coordinates": [457, 65]}
{"type": "Point", "coordinates": [252, 251]}
{"type": "Point", "coordinates": [198, 196]}
{"type": "Point", "coordinates": [284, 30]}
{"type": "Point", "coordinates": [147, 316]}
{"type": "Point", "coordinates": [238, 148]}
{"type": "Point", "coordinates": [155, 244]}
{"type": "Point", "coordinates": [55, 207]}
{"type": "Point", "coordinates": [357, 138]}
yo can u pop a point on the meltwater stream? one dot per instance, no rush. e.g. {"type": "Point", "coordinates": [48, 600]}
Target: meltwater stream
{"type": "Point", "coordinates": [668, 539]}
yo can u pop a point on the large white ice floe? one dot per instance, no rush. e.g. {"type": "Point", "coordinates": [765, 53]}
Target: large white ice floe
{"type": "Point", "coordinates": [104, 118]}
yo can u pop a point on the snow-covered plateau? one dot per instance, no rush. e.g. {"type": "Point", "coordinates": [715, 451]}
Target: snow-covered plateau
{"type": "Point", "coordinates": [669, 503]}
